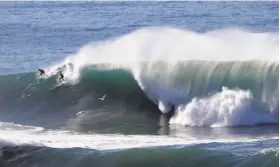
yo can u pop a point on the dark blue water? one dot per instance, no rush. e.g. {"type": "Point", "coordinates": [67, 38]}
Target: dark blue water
{"type": "Point", "coordinates": [69, 126]}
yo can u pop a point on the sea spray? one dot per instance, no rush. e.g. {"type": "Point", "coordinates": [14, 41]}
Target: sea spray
{"type": "Point", "coordinates": [170, 45]}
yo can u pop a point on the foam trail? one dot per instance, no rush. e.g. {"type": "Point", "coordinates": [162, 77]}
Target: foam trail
{"type": "Point", "coordinates": [225, 108]}
{"type": "Point", "coordinates": [66, 139]}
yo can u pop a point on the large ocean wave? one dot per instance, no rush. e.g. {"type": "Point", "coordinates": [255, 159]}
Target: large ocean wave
{"type": "Point", "coordinates": [219, 78]}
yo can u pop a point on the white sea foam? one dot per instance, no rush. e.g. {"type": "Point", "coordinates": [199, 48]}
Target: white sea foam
{"type": "Point", "coordinates": [66, 139]}
{"type": "Point", "coordinates": [225, 108]}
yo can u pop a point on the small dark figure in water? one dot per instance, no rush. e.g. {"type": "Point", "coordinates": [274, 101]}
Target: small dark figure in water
{"type": "Point", "coordinates": [42, 72]}
{"type": "Point", "coordinates": [61, 77]}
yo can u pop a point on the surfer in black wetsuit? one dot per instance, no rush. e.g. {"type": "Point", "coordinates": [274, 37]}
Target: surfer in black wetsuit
{"type": "Point", "coordinates": [42, 72]}
{"type": "Point", "coordinates": [61, 77]}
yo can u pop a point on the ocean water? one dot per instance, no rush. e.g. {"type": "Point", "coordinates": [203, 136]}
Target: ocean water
{"type": "Point", "coordinates": [185, 84]}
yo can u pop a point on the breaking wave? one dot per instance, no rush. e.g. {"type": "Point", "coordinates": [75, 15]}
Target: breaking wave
{"type": "Point", "coordinates": [219, 78]}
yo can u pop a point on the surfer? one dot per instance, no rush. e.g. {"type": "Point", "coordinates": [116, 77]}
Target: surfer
{"type": "Point", "coordinates": [42, 72]}
{"type": "Point", "coordinates": [61, 77]}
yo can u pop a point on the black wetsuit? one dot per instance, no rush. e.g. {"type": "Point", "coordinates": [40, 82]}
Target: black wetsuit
{"type": "Point", "coordinates": [42, 72]}
{"type": "Point", "coordinates": [61, 76]}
